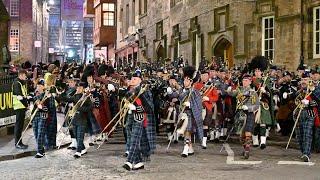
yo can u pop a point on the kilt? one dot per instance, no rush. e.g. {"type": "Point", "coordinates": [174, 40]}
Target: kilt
{"type": "Point", "coordinates": [249, 122]}
{"type": "Point", "coordinates": [38, 126]}
{"type": "Point", "coordinates": [304, 132]}
{"type": "Point", "coordinates": [128, 130]}
{"type": "Point", "coordinates": [51, 131]}
{"type": "Point", "coordinates": [208, 118]}
{"type": "Point", "coordinates": [265, 116]}
{"type": "Point", "coordinates": [92, 124]}
{"type": "Point", "coordinates": [79, 132]}
{"type": "Point", "coordinates": [135, 140]}
{"type": "Point", "coordinates": [151, 133]}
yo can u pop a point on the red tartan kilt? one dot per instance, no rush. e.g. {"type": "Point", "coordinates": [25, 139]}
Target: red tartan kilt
{"type": "Point", "coordinates": [103, 116]}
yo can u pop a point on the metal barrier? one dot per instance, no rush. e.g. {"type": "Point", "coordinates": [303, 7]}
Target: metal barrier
{"type": "Point", "coordinates": [7, 79]}
{"type": "Point", "coordinates": [7, 116]}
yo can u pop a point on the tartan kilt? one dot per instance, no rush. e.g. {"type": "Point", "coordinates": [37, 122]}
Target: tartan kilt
{"type": "Point", "coordinates": [151, 132]}
{"type": "Point", "coordinates": [265, 116]}
{"type": "Point", "coordinates": [93, 126]}
{"type": "Point", "coordinates": [51, 130]}
{"type": "Point", "coordinates": [304, 132]}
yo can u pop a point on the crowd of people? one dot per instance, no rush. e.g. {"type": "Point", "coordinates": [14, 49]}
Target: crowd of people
{"type": "Point", "coordinates": [210, 103]}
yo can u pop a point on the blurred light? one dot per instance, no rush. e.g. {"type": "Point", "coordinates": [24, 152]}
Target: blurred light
{"type": "Point", "coordinates": [51, 2]}
{"type": "Point", "coordinates": [71, 53]}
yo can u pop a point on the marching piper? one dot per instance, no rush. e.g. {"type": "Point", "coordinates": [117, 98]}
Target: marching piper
{"type": "Point", "coordinates": [140, 124]}
{"type": "Point", "coordinates": [209, 98]}
{"type": "Point", "coordinates": [247, 104]}
{"type": "Point", "coordinates": [191, 112]}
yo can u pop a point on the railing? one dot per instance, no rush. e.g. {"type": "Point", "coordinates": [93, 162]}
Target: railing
{"type": "Point", "coordinates": [7, 79]}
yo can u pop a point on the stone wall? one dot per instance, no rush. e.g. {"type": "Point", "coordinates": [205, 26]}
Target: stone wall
{"type": "Point", "coordinates": [241, 26]}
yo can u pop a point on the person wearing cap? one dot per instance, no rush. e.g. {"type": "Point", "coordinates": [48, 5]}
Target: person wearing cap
{"type": "Point", "coordinates": [80, 120]}
{"type": "Point", "coordinates": [286, 94]}
{"type": "Point", "coordinates": [140, 125]}
{"type": "Point", "coordinates": [247, 103]}
{"type": "Point", "coordinates": [172, 111]}
{"type": "Point", "coordinates": [308, 110]}
{"type": "Point", "coordinates": [39, 121]}
{"type": "Point", "coordinates": [70, 91]}
{"type": "Point", "coordinates": [209, 98]}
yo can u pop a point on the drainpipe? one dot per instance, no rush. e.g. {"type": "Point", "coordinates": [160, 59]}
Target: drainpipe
{"type": "Point", "coordinates": [301, 33]}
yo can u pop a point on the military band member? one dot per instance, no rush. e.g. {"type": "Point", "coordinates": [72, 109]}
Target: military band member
{"type": "Point", "coordinates": [71, 90]}
{"type": "Point", "coordinates": [264, 116]}
{"type": "Point", "coordinates": [51, 124]}
{"type": "Point", "coordinates": [247, 103]}
{"type": "Point", "coordinates": [140, 124]}
{"type": "Point", "coordinates": [82, 107]}
{"type": "Point", "coordinates": [306, 112]}
{"type": "Point", "coordinates": [172, 111]}
{"type": "Point", "coordinates": [209, 98]}
{"type": "Point", "coordinates": [192, 103]}
{"type": "Point", "coordinates": [39, 122]}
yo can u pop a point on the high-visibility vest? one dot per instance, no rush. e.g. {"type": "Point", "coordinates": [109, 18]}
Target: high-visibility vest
{"type": "Point", "coordinates": [17, 104]}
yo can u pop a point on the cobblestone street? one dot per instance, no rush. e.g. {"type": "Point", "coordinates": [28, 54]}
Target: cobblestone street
{"type": "Point", "coordinates": [106, 163]}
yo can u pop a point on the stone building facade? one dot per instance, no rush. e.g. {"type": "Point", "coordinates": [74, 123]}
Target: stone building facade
{"type": "Point", "coordinates": [285, 31]}
{"type": "Point", "coordinates": [128, 12]}
{"type": "Point", "coordinates": [28, 23]}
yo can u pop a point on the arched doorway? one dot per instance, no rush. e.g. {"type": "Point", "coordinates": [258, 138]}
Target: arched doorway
{"type": "Point", "coordinates": [223, 50]}
{"type": "Point", "coordinates": [160, 54]}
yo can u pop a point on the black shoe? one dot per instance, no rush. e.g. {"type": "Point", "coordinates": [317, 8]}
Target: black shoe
{"type": "Point", "coordinates": [72, 148]}
{"type": "Point", "coordinates": [216, 140]}
{"type": "Point", "coordinates": [246, 154]}
{"type": "Point", "coordinates": [138, 166]}
{"type": "Point", "coordinates": [127, 166]}
{"type": "Point", "coordinates": [39, 155]}
{"type": "Point", "coordinates": [77, 155]}
{"type": "Point", "coordinates": [91, 144]}
{"type": "Point", "coordinates": [126, 154]}
{"type": "Point", "coordinates": [175, 142]}
{"type": "Point", "coordinates": [305, 158]}
{"type": "Point", "coordinates": [21, 146]}
{"type": "Point", "coordinates": [263, 146]}
{"type": "Point", "coordinates": [255, 146]}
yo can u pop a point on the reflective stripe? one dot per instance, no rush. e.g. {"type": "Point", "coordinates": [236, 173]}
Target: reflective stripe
{"type": "Point", "coordinates": [16, 103]}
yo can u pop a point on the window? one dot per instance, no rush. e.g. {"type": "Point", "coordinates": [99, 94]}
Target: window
{"type": "Point", "coordinates": [175, 2]}
{"type": "Point", "coordinates": [14, 40]}
{"type": "Point", "coordinates": [159, 30]}
{"type": "Point", "coordinates": [143, 4]}
{"type": "Point", "coordinates": [127, 19]}
{"type": "Point", "coordinates": [133, 13]}
{"type": "Point", "coordinates": [108, 14]}
{"type": "Point", "coordinates": [316, 32]}
{"type": "Point", "coordinates": [14, 8]}
{"type": "Point", "coordinates": [268, 37]}
{"type": "Point", "coordinates": [222, 22]}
